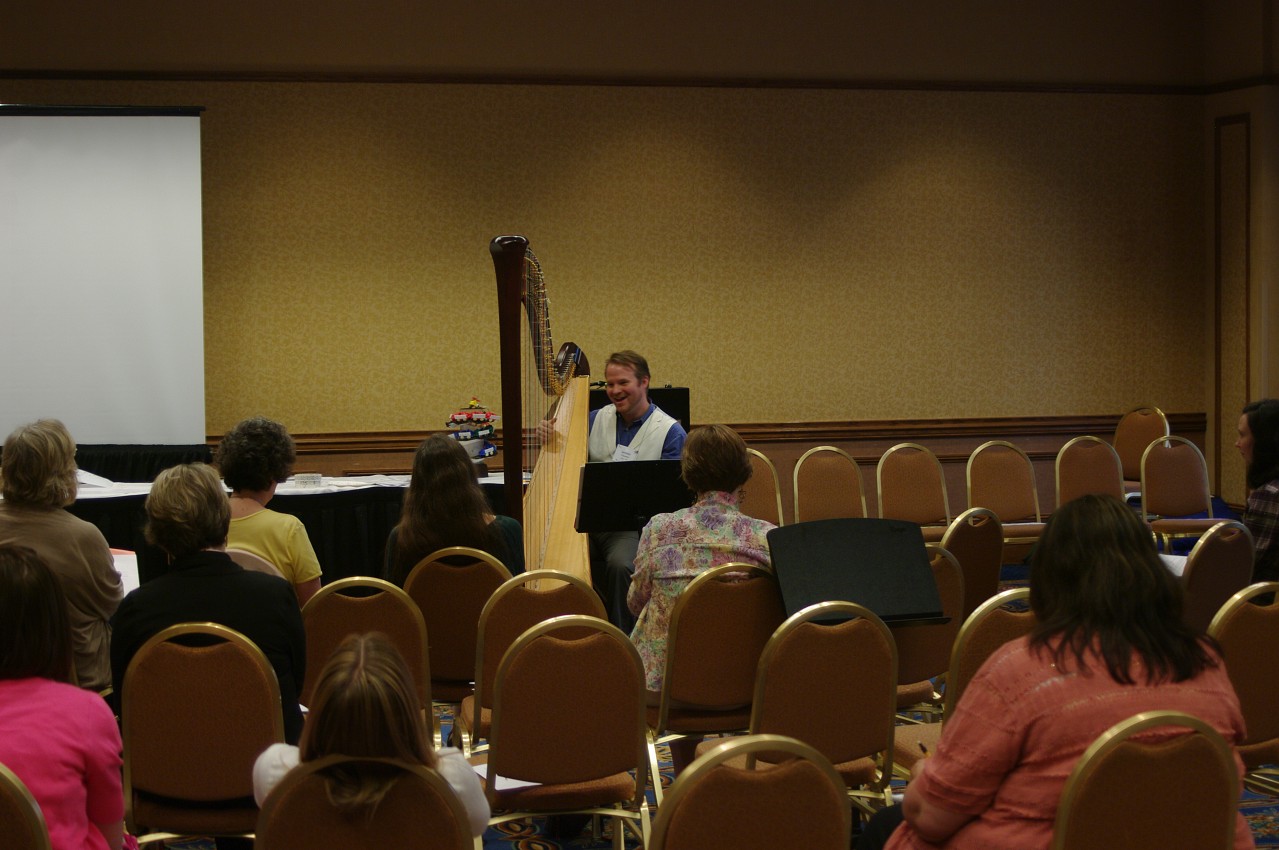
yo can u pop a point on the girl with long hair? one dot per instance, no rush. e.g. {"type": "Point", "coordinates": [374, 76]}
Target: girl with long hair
{"type": "Point", "coordinates": [1258, 443]}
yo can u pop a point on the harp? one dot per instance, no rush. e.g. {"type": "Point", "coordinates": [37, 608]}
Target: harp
{"type": "Point", "coordinates": [540, 383]}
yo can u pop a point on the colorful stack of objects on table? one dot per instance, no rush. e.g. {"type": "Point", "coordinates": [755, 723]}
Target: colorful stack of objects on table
{"type": "Point", "coordinates": [472, 426]}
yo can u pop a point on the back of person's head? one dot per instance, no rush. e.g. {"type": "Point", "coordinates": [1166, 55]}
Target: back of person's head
{"type": "Point", "coordinates": [1098, 583]}
{"type": "Point", "coordinates": [255, 454]}
{"type": "Point", "coordinates": [632, 360]}
{"type": "Point", "coordinates": [187, 510]}
{"type": "Point", "coordinates": [35, 632]}
{"type": "Point", "coordinates": [715, 458]}
{"type": "Point", "coordinates": [365, 704]}
{"type": "Point", "coordinates": [38, 466]}
{"type": "Point", "coordinates": [444, 506]}
{"type": "Point", "coordinates": [1263, 423]}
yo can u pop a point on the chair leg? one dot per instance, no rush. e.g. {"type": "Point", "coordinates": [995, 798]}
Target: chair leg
{"type": "Point", "coordinates": [654, 774]}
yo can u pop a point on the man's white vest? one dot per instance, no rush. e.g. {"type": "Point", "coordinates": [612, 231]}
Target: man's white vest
{"type": "Point", "coordinates": [647, 443]}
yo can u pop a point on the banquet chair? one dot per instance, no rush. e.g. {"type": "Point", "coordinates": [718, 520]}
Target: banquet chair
{"type": "Point", "coordinates": [1139, 785]}
{"type": "Point", "coordinates": [1002, 479]}
{"type": "Point", "coordinates": [568, 716]}
{"type": "Point", "coordinates": [762, 495]}
{"type": "Point", "coordinates": [718, 628]}
{"type": "Point", "coordinates": [1174, 484]}
{"type": "Point", "coordinates": [833, 685]}
{"type": "Point", "coordinates": [1217, 568]}
{"type": "Point", "coordinates": [520, 603]}
{"type": "Point", "coordinates": [1247, 630]}
{"type": "Point", "coordinates": [1004, 617]}
{"type": "Point", "coordinates": [21, 821]}
{"type": "Point", "coordinates": [976, 539]}
{"type": "Point", "coordinates": [419, 812]}
{"type": "Point", "coordinates": [253, 562]}
{"type": "Point", "coordinates": [1137, 429]}
{"type": "Point", "coordinates": [911, 486]}
{"type": "Point", "coordinates": [1087, 466]}
{"type": "Point", "coordinates": [450, 587]}
{"type": "Point", "coordinates": [828, 484]}
{"type": "Point", "coordinates": [358, 605]}
{"type": "Point", "coordinates": [923, 649]}
{"type": "Point", "coordinates": [785, 795]}
{"type": "Point", "coordinates": [200, 702]}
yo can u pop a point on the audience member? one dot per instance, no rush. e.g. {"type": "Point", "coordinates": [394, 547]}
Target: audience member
{"type": "Point", "coordinates": [1259, 444]}
{"type": "Point", "coordinates": [255, 457]}
{"type": "Point", "coordinates": [187, 517]}
{"type": "Point", "coordinates": [445, 506]}
{"type": "Point", "coordinates": [366, 705]}
{"type": "Point", "coordinates": [38, 480]}
{"type": "Point", "coordinates": [675, 548]}
{"type": "Point", "coordinates": [60, 740]}
{"type": "Point", "coordinates": [1110, 644]}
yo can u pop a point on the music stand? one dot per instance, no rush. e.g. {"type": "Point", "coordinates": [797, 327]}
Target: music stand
{"type": "Point", "coordinates": [624, 496]}
{"type": "Point", "coordinates": [879, 563]}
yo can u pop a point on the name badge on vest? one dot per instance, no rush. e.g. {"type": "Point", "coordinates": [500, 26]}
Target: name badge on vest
{"type": "Point", "coordinates": [624, 453]}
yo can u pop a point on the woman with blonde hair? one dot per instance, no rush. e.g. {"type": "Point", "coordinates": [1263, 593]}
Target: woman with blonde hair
{"type": "Point", "coordinates": [38, 480]}
{"type": "Point", "coordinates": [365, 705]}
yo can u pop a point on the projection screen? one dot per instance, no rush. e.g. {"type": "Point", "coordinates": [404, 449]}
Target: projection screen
{"type": "Point", "coordinates": [101, 272]}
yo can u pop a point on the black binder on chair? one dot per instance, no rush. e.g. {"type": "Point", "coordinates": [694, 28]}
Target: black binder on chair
{"type": "Point", "coordinates": [625, 495]}
{"type": "Point", "coordinates": [879, 563]}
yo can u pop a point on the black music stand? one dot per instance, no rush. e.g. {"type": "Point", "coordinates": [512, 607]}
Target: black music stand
{"type": "Point", "coordinates": [624, 496]}
{"type": "Point", "coordinates": [879, 563]}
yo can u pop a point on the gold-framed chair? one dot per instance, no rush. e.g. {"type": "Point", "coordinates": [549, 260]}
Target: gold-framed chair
{"type": "Point", "coordinates": [718, 628]}
{"type": "Point", "coordinates": [833, 685]}
{"type": "Point", "coordinates": [923, 649]}
{"type": "Point", "coordinates": [21, 821]}
{"type": "Point", "coordinates": [200, 701]}
{"type": "Point", "coordinates": [828, 485]}
{"type": "Point", "coordinates": [1001, 478]}
{"type": "Point", "coordinates": [1163, 791]}
{"type": "Point", "coordinates": [253, 562]}
{"type": "Point", "coordinates": [419, 812]}
{"type": "Point", "coordinates": [1247, 630]}
{"type": "Point", "coordinates": [1135, 430]}
{"type": "Point", "coordinates": [1004, 617]}
{"type": "Point", "coordinates": [910, 485]}
{"type": "Point", "coordinates": [520, 603]}
{"type": "Point", "coordinates": [1086, 466]}
{"type": "Point", "coordinates": [1218, 567]}
{"type": "Point", "coordinates": [1174, 484]}
{"type": "Point", "coordinates": [450, 587]}
{"type": "Point", "coordinates": [762, 495]}
{"type": "Point", "coordinates": [786, 794]}
{"type": "Point", "coordinates": [976, 539]}
{"type": "Point", "coordinates": [568, 715]}
{"type": "Point", "coordinates": [361, 604]}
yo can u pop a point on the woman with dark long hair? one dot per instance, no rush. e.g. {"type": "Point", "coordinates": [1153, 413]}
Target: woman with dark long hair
{"type": "Point", "coordinates": [1110, 644]}
{"type": "Point", "coordinates": [444, 506]}
{"type": "Point", "coordinates": [1259, 444]}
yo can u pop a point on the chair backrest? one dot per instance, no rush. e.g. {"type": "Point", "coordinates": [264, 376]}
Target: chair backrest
{"type": "Point", "coordinates": [1217, 568]}
{"type": "Point", "coordinates": [1087, 466]}
{"type": "Point", "coordinates": [194, 718]}
{"type": "Point", "coordinates": [357, 605]}
{"type": "Point", "coordinates": [976, 539]}
{"type": "Point", "coordinates": [253, 562]}
{"type": "Point", "coordinates": [1248, 633]}
{"type": "Point", "coordinates": [450, 587]}
{"type": "Point", "coordinates": [1002, 478]}
{"type": "Point", "coordinates": [832, 685]}
{"type": "Point", "coordinates": [762, 495]}
{"type": "Point", "coordinates": [910, 485]}
{"type": "Point", "coordinates": [828, 485]}
{"type": "Point", "coordinates": [21, 821]}
{"type": "Point", "coordinates": [1136, 429]}
{"type": "Point", "coordinates": [568, 706]}
{"type": "Point", "coordinates": [420, 811]}
{"type": "Point", "coordinates": [718, 628]}
{"type": "Point", "coordinates": [1174, 479]}
{"type": "Point", "coordinates": [1004, 617]}
{"type": "Point", "coordinates": [923, 650]}
{"type": "Point", "coordinates": [798, 800]}
{"type": "Point", "coordinates": [1174, 786]}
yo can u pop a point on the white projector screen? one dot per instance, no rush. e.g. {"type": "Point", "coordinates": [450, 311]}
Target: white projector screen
{"type": "Point", "coordinates": [101, 272]}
